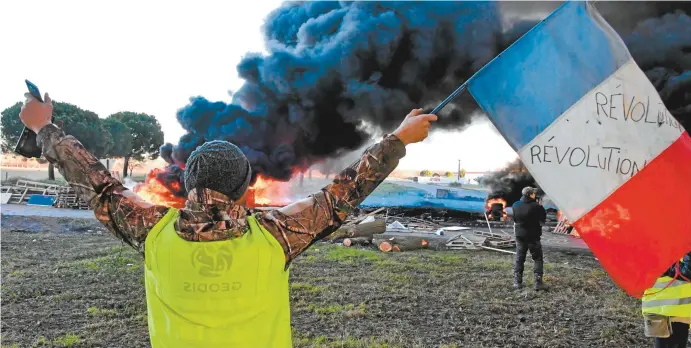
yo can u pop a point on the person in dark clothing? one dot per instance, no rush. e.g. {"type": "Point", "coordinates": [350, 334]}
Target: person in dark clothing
{"type": "Point", "coordinates": [528, 215]}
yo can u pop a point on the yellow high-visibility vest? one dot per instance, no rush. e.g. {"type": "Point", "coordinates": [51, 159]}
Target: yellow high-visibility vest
{"type": "Point", "coordinates": [673, 301]}
{"type": "Point", "coordinates": [231, 293]}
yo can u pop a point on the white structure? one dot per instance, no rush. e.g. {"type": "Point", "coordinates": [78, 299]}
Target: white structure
{"type": "Point", "coordinates": [440, 180]}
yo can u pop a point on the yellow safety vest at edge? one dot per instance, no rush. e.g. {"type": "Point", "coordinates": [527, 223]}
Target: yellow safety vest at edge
{"type": "Point", "coordinates": [231, 293]}
{"type": "Point", "coordinates": [673, 301]}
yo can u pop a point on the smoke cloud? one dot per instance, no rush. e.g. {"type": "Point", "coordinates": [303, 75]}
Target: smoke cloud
{"type": "Point", "coordinates": [508, 182]}
{"type": "Point", "coordinates": [338, 72]}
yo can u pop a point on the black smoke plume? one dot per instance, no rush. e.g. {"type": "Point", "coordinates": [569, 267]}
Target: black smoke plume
{"type": "Point", "coordinates": [337, 71]}
{"type": "Point", "coordinates": [508, 182]}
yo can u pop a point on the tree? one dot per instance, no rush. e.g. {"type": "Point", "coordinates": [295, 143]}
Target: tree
{"type": "Point", "coordinates": [85, 126]}
{"type": "Point", "coordinates": [11, 127]}
{"type": "Point", "coordinates": [147, 136]}
{"type": "Point", "coordinates": [436, 175]}
{"type": "Point", "coordinates": [121, 135]}
{"type": "Point", "coordinates": [82, 124]}
{"type": "Point", "coordinates": [425, 173]}
{"type": "Point", "coordinates": [133, 164]}
{"type": "Point", "coordinates": [462, 174]}
{"type": "Point", "coordinates": [448, 174]}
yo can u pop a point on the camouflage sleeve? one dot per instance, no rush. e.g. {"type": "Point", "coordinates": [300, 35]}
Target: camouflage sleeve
{"type": "Point", "coordinates": [126, 215]}
{"type": "Point", "coordinates": [300, 224]}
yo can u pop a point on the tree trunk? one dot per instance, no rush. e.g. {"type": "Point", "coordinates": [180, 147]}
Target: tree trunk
{"type": "Point", "coordinates": [400, 243]}
{"type": "Point", "coordinates": [367, 229]}
{"type": "Point", "coordinates": [302, 178]}
{"type": "Point", "coordinates": [124, 170]}
{"type": "Point", "coordinates": [51, 167]}
{"type": "Point", "coordinates": [309, 173]}
{"type": "Point", "coordinates": [357, 241]}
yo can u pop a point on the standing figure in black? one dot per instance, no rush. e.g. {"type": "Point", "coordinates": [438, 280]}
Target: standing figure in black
{"type": "Point", "coordinates": [528, 215]}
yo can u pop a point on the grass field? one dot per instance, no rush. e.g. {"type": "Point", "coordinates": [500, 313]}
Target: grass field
{"type": "Point", "coordinates": [85, 289]}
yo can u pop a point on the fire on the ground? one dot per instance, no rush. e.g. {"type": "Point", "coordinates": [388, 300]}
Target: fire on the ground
{"type": "Point", "coordinates": [264, 192]}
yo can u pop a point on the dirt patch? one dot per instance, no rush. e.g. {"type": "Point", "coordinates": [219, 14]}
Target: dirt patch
{"type": "Point", "coordinates": [85, 289]}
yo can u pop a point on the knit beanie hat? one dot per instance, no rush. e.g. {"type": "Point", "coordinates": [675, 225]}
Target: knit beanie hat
{"type": "Point", "coordinates": [527, 191]}
{"type": "Point", "coordinates": [219, 166]}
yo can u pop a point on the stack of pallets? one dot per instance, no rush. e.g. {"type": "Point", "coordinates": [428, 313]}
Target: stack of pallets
{"type": "Point", "coordinates": [483, 240]}
{"type": "Point", "coordinates": [564, 227]}
{"type": "Point", "coordinates": [67, 198]}
{"type": "Point", "coordinates": [20, 192]}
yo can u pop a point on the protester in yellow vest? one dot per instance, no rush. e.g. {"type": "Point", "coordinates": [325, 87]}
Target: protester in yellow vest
{"type": "Point", "coordinates": [667, 306]}
{"type": "Point", "coordinates": [216, 277]}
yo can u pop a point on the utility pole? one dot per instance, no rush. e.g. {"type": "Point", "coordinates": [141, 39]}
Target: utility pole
{"type": "Point", "coordinates": [459, 170]}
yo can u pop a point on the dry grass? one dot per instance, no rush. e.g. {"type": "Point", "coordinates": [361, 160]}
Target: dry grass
{"type": "Point", "coordinates": [86, 290]}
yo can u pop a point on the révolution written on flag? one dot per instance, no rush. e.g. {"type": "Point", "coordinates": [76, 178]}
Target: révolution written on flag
{"type": "Point", "coordinates": [594, 133]}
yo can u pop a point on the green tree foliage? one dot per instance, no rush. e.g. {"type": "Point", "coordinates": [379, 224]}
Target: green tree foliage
{"type": "Point", "coordinates": [425, 173]}
{"type": "Point", "coordinates": [147, 136]}
{"type": "Point", "coordinates": [11, 127]}
{"type": "Point", "coordinates": [448, 174]}
{"type": "Point", "coordinates": [121, 135]}
{"type": "Point", "coordinates": [463, 173]}
{"type": "Point", "coordinates": [85, 126]}
{"type": "Point", "coordinates": [82, 124]}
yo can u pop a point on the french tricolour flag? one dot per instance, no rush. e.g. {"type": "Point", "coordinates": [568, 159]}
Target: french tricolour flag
{"type": "Point", "coordinates": [595, 135]}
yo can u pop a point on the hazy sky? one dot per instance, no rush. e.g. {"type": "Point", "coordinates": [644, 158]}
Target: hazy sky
{"type": "Point", "coordinates": [151, 56]}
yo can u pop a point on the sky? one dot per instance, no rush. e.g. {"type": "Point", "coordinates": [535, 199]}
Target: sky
{"type": "Point", "coordinates": [152, 56]}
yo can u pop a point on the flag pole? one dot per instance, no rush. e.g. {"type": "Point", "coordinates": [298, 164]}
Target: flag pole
{"type": "Point", "coordinates": [463, 87]}
{"type": "Point", "coordinates": [451, 97]}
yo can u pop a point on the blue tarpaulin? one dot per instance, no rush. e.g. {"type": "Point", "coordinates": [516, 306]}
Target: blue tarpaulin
{"type": "Point", "coordinates": [41, 200]}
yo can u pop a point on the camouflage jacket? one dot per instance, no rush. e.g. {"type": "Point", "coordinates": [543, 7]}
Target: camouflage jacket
{"type": "Point", "coordinates": [295, 226]}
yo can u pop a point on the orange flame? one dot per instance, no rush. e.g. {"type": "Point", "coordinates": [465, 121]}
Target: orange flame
{"type": "Point", "coordinates": [494, 201]}
{"type": "Point", "coordinates": [155, 192]}
{"type": "Point", "coordinates": [268, 192]}
{"type": "Point", "coordinates": [264, 192]}
{"type": "Point", "coordinates": [490, 202]}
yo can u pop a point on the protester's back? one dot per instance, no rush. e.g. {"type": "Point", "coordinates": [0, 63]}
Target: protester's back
{"type": "Point", "coordinates": [527, 215]}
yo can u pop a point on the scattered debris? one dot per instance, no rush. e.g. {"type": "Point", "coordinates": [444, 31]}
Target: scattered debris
{"type": "Point", "coordinates": [394, 229]}
{"type": "Point", "coordinates": [402, 243]}
{"type": "Point", "coordinates": [22, 192]}
{"type": "Point", "coordinates": [396, 226]}
{"type": "Point", "coordinates": [357, 241]}
{"type": "Point", "coordinates": [367, 219]}
{"type": "Point", "coordinates": [365, 229]}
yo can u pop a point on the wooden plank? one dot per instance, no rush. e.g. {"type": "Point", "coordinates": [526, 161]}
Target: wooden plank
{"type": "Point", "coordinates": [23, 194]}
{"type": "Point", "coordinates": [363, 217]}
{"type": "Point", "coordinates": [425, 222]}
{"type": "Point", "coordinates": [492, 234]}
{"type": "Point", "coordinates": [495, 249]}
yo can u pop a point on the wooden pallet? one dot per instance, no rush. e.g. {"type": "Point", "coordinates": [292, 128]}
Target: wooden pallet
{"type": "Point", "coordinates": [65, 197]}
{"type": "Point", "coordinates": [461, 242]}
{"type": "Point", "coordinates": [565, 227]}
{"type": "Point", "coordinates": [23, 189]}
{"type": "Point", "coordinates": [69, 199]}
{"type": "Point", "coordinates": [502, 235]}
{"type": "Point", "coordinates": [503, 240]}
{"type": "Point", "coordinates": [500, 243]}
